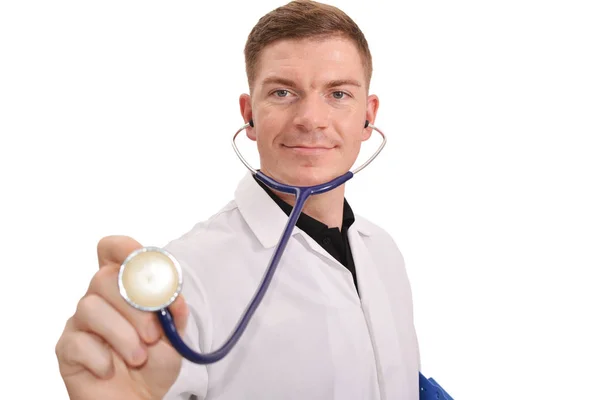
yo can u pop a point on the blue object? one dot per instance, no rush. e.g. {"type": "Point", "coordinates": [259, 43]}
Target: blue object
{"type": "Point", "coordinates": [429, 389]}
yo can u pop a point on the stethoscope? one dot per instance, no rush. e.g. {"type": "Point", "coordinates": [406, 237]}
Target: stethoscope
{"type": "Point", "coordinates": [150, 278]}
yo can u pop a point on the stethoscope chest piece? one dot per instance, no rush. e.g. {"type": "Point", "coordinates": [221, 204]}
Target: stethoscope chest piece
{"type": "Point", "coordinates": [150, 279]}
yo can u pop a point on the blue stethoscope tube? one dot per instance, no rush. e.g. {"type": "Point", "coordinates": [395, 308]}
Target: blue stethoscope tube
{"type": "Point", "coordinates": [428, 387]}
{"type": "Point", "coordinates": [302, 194]}
{"type": "Point", "coordinates": [161, 306]}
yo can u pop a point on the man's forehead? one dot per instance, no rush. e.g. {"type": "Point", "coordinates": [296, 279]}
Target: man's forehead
{"type": "Point", "coordinates": [315, 59]}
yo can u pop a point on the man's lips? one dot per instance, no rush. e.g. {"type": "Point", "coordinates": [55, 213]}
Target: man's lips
{"type": "Point", "coordinates": [301, 149]}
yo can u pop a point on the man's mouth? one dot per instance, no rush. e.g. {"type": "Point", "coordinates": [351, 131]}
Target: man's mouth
{"type": "Point", "coordinates": [308, 150]}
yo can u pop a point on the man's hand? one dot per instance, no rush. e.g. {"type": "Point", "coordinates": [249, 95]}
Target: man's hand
{"type": "Point", "coordinates": [110, 350]}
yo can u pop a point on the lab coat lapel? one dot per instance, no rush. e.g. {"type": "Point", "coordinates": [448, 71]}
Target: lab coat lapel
{"type": "Point", "coordinates": [377, 311]}
{"type": "Point", "coordinates": [263, 216]}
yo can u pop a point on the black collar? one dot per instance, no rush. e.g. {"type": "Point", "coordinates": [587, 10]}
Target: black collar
{"type": "Point", "coordinates": [305, 222]}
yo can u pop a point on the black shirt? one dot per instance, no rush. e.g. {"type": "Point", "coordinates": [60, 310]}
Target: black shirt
{"type": "Point", "coordinates": [334, 241]}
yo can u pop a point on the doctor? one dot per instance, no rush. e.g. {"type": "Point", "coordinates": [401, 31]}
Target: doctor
{"type": "Point", "coordinates": [337, 321]}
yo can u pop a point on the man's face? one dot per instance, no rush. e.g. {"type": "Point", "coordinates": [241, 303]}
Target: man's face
{"type": "Point", "coordinates": [309, 105]}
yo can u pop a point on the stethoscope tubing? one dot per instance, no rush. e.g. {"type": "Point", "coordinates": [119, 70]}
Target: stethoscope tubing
{"type": "Point", "coordinates": [428, 387]}
{"type": "Point", "coordinates": [302, 194]}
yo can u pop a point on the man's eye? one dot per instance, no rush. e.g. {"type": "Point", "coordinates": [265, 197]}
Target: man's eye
{"type": "Point", "coordinates": [281, 93]}
{"type": "Point", "coordinates": [338, 95]}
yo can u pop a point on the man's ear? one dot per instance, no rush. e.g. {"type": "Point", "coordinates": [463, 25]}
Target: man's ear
{"type": "Point", "coordinates": [372, 107]}
{"type": "Point", "coordinates": [246, 111]}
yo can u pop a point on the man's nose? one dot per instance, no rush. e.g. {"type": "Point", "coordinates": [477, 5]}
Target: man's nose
{"type": "Point", "coordinates": [312, 112]}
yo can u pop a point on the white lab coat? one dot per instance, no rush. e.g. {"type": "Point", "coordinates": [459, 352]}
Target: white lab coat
{"type": "Point", "coordinates": [312, 337]}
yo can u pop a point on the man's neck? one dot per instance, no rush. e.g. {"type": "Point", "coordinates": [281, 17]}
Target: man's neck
{"type": "Point", "coordinates": [327, 208]}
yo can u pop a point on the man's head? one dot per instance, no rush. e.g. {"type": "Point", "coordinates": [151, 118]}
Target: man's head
{"type": "Point", "coordinates": [309, 69]}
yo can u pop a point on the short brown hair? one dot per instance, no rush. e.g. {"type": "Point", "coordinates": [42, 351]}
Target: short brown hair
{"type": "Point", "coordinates": [303, 19]}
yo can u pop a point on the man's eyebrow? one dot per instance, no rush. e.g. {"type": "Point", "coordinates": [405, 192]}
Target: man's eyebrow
{"type": "Point", "coordinates": [279, 81]}
{"type": "Point", "coordinates": [291, 83]}
{"type": "Point", "coordinates": [343, 82]}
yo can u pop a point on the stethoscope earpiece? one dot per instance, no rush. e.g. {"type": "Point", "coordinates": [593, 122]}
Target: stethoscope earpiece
{"type": "Point", "coordinates": [251, 123]}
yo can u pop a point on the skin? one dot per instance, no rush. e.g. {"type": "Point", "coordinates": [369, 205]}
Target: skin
{"type": "Point", "coordinates": [309, 103]}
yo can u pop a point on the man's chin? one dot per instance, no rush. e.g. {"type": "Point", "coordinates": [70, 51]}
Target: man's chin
{"type": "Point", "coordinates": [310, 177]}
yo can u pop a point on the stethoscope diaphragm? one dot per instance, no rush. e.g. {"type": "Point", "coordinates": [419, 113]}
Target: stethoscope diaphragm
{"type": "Point", "coordinates": [150, 279]}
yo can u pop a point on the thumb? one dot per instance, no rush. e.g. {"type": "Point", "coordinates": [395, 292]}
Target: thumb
{"type": "Point", "coordinates": [115, 249]}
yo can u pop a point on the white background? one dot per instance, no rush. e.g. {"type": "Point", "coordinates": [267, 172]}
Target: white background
{"type": "Point", "coordinates": [116, 118]}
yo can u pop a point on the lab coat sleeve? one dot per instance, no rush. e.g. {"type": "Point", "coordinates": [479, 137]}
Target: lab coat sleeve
{"type": "Point", "coordinates": [192, 381]}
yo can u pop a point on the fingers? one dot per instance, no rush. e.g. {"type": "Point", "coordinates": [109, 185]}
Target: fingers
{"type": "Point", "coordinates": [115, 249]}
{"type": "Point", "coordinates": [77, 348]}
{"type": "Point", "coordinates": [104, 284]}
{"type": "Point", "coordinates": [95, 315]}
{"type": "Point", "coordinates": [104, 323]}
{"type": "Point", "coordinates": [112, 251]}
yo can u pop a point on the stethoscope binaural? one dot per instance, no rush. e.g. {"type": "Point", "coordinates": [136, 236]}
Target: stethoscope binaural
{"type": "Point", "coordinates": [150, 279]}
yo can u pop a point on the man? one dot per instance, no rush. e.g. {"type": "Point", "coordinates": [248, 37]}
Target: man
{"type": "Point", "coordinates": [337, 320]}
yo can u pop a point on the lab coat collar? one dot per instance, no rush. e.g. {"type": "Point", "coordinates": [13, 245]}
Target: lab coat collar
{"type": "Point", "coordinates": [266, 219]}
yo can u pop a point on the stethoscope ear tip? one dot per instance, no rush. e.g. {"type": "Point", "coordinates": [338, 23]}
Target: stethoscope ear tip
{"type": "Point", "coordinates": [251, 123]}
{"type": "Point", "coordinates": [150, 279]}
